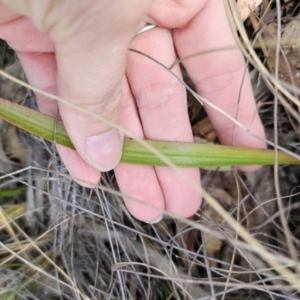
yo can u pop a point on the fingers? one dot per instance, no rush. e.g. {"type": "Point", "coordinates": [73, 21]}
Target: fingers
{"type": "Point", "coordinates": [139, 184]}
{"type": "Point", "coordinates": [162, 107]}
{"type": "Point", "coordinates": [219, 76]}
{"type": "Point", "coordinates": [174, 13]}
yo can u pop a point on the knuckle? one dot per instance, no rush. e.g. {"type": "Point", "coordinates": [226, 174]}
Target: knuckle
{"type": "Point", "coordinates": [229, 76]}
{"type": "Point", "coordinates": [157, 96]}
{"type": "Point", "coordinates": [105, 108]}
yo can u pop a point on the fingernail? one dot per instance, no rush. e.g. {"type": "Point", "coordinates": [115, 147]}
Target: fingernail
{"type": "Point", "coordinates": [104, 150]}
{"type": "Point", "coordinates": [156, 220]}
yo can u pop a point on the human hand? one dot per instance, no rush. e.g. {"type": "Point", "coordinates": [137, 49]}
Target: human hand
{"type": "Point", "coordinates": [82, 57]}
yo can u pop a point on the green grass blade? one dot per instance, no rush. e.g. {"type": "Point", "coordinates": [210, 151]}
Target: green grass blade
{"type": "Point", "coordinates": [17, 191]}
{"type": "Point", "coordinates": [34, 122]}
{"type": "Point", "coordinates": [181, 154]}
{"type": "Point", "coordinates": [201, 155]}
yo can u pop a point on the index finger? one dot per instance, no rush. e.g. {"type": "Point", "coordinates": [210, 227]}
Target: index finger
{"type": "Point", "coordinates": [219, 76]}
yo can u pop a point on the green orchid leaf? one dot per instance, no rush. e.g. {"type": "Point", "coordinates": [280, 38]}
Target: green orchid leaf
{"type": "Point", "coordinates": [179, 153]}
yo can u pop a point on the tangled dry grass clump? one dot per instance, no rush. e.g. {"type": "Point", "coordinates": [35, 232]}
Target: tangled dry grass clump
{"type": "Point", "coordinates": [61, 241]}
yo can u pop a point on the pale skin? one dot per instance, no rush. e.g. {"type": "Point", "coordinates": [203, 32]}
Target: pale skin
{"type": "Point", "coordinates": [80, 53]}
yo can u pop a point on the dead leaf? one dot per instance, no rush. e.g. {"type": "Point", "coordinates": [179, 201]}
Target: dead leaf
{"type": "Point", "coordinates": [289, 59]}
{"type": "Point", "coordinates": [245, 7]}
{"type": "Point", "coordinates": [205, 129]}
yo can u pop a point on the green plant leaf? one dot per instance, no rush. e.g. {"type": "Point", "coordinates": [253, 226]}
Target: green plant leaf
{"type": "Point", "coordinates": [13, 191]}
{"type": "Point", "coordinates": [201, 155]}
{"type": "Point", "coordinates": [34, 122]}
{"type": "Point", "coordinates": [181, 154]}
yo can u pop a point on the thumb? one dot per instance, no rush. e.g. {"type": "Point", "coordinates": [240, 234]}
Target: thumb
{"type": "Point", "coordinates": [91, 60]}
{"type": "Point", "coordinates": [86, 80]}
{"type": "Point", "coordinates": [90, 77]}
{"type": "Point", "coordinates": [91, 65]}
